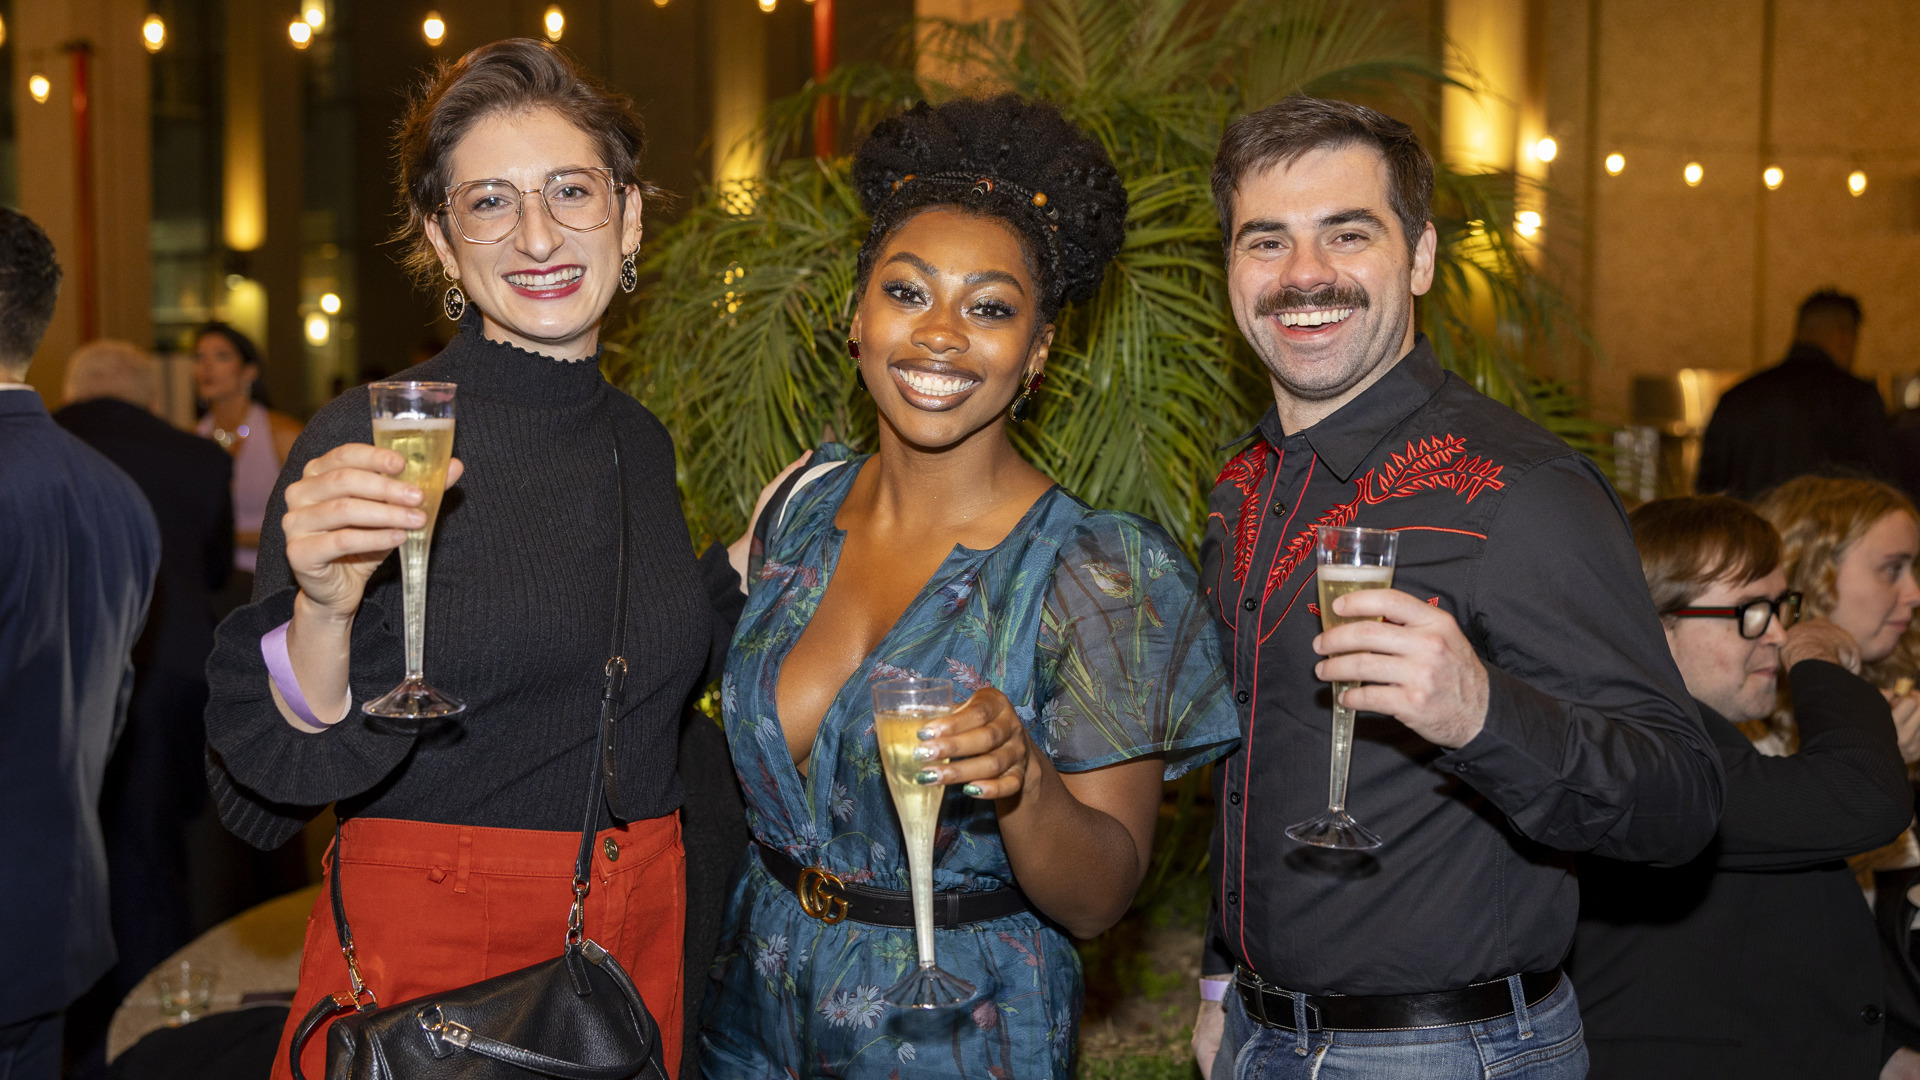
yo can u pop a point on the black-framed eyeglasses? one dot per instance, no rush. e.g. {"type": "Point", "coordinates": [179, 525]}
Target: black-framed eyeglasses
{"type": "Point", "coordinates": [487, 211]}
{"type": "Point", "coordinates": [1754, 615]}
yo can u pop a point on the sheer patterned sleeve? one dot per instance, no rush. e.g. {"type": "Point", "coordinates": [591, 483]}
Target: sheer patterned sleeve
{"type": "Point", "coordinates": [1129, 663]}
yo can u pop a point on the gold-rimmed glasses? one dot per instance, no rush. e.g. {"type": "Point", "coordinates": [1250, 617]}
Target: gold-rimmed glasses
{"type": "Point", "coordinates": [487, 211]}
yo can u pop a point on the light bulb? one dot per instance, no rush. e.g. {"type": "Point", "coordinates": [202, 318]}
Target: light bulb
{"type": "Point", "coordinates": [1616, 164]}
{"type": "Point", "coordinates": [39, 87]}
{"type": "Point", "coordinates": [314, 14]}
{"type": "Point", "coordinates": [1857, 183]}
{"type": "Point", "coordinates": [301, 33]}
{"type": "Point", "coordinates": [435, 28]}
{"type": "Point", "coordinates": [1527, 223]}
{"type": "Point", "coordinates": [1545, 149]}
{"type": "Point", "coordinates": [330, 303]}
{"type": "Point", "coordinates": [768, 5]}
{"type": "Point", "coordinates": [318, 329]}
{"type": "Point", "coordinates": [1693, 173]}
{"type": "Point", "coordinates": [153, 33]}
{"type": "Point", "coordinates": [555, 22]}
{"type": "Point", "coordinates": [1772, 177]}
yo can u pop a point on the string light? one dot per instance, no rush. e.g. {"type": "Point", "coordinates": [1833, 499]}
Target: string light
{"type": "Point", "coordinates": [301, 32]}
{"type": "Point", "coordinates": [318, 329]}
{"type": "Point", "coordinates": [1616, 164]}
{"type": "Point", "coordinates": [1693, 173]}
{"type": "Point", "coordinates": [767, 5]}
{"type": "Point", "coordinates": [659, 3]}
{"type": "Point", "coordinates": [1772, 177]}
{"type": "Point", "coordinates": [555, 22]}
{"type": "Point", "coordinates": [38, 87]}
{"type": "Point", "coordinates": [314, 14]}
{"type": "Point", "coordinates": [435, 28]}
{"type": "Point", "coordinates": [1857, 183]}
{"type": "Point", "coordinates": [153, 33]}
{"type": "Point", "coordinates": [1545, 149]}
{"type": "Point", "coordinates": [1527, 223]}
{"type": "Point", "coordinates": [330, 303]}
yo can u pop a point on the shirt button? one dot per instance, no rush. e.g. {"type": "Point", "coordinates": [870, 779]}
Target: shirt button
{"type": "Point", "coordinates": [610, 849]}
{"type": "Point", "coordinates": [1234, 798]}
{"type": "Point", "coordinates": [1463, 766]}
{"type": "Point", "coordinates": [1249, 603]}
{"type": "Point", "coordinates": [1243, 697]}
{"type": "Point", "coordinates": [1279, 508]}
{"type": "Point", "coordinates": [1234, 898]}
{"type": "Point", "coordinates": [1871, 1014]}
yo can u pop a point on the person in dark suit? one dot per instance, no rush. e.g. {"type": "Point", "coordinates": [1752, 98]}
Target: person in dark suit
{"type": "Point", "coordinates": [1759, 958]}
{"type": "Point", "coordinates": [1806, 415]}
{"type": "Point", "coordinates": [78, 552]}
{"type": "Point", "coordinates": [154, 784]}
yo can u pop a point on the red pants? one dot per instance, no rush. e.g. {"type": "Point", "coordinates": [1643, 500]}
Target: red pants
{"type": "Point", "coordinates": [434, 907]}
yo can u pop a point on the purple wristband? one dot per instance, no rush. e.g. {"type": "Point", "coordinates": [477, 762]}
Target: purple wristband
{"type": "Point", "coordinates": [1214, 989]}
{"type": "Point", "coordinates": [273, 649]}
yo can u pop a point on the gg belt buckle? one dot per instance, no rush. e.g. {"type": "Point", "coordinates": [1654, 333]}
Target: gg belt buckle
{"type": "Point", "coordinates": [821, 895]}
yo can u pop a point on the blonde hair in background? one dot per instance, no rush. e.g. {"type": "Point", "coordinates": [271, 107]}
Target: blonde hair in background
{"type": "Point", "coordinates": [113, 369]}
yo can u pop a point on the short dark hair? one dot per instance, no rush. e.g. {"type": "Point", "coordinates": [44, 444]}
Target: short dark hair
{"type": "Point", "coordinates": [515, 75]}
{"type": "Point", "coordinates": [1289, 129]}
{"type": "Point", "coordinates": [1829, 305]}
{"type": "Point", "coordinates": [29, 284]}
{"type": "Point", "coordinates": [1688, 543]}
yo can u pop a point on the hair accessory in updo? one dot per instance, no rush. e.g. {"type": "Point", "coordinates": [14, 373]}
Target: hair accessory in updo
{"type": "Point", "coordinates": [1015, 160]}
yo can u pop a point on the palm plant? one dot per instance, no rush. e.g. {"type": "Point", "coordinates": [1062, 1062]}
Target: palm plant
{"type": "Point", "coordinates": [739, 343]}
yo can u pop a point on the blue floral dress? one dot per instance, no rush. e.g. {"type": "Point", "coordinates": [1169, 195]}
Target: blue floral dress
{"type": "Point", "coordinates": [1091, 623]}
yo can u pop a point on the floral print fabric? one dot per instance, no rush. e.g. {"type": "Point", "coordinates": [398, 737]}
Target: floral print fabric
{"type": "Point", "coordinates": [1091, 623]}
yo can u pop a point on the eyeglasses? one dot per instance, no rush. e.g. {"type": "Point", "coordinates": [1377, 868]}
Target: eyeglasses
{"type": "Point", "coordinates": [487, 211]}
{"type": "Point", "coordinates": [1754, 615]}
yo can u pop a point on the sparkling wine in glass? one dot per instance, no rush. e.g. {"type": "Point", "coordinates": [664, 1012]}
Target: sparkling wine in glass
{"type": "Point", "coordinates": [901, 707]}
{"type": "Point", "coordinates": [1349, 560]}
{"type": "Point", "coordinates": [415, 419]}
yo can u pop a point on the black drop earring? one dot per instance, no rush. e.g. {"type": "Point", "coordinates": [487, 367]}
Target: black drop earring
{"type": "Point", "coordinates": [853, 350]}
{"type": "Point", "coordinates": [1023, 405]}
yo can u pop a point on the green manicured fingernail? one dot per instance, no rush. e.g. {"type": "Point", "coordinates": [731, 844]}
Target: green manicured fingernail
{"type": "Point", "coordinates": [972, 789]}
{"type": "Point", "coordinates": [924, 753]}
{"type": "Point", "coordinates": [927, 776]}
{"type": "Point", "coordinates": [926, 733]}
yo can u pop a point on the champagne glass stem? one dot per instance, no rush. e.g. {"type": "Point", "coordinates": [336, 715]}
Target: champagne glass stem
{"type": "Point", "coordinates": [413, 580]}
{"type": "Point", "coordinates": [1342, 750]}
{"type": "Point", "coordinates": [920, 866]}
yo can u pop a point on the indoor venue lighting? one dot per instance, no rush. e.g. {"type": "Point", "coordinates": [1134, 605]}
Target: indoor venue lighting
{"type": "Point", "coordinates": [1857, 183]}
{"type": "Point", "coordinates": [154, 33]}
{"type": "Point", "coordinates": [3, 31]}
{"type": "Point", "coordinates": [659, 3]}
{"type": "Point", "coordinates": [1527, 223]}
{"type": "Point", "coordinates": [301, 32]}
{"type": "Point", "coordinates": [1772, 177]}
{"type": "Point", "coordinates": [1616, 164]}
{"type": "Point", "coordinates": [555, 22]}
{"type": "Point", "coordinates": [1694, 173]}
{"type": "Point", "coordinates": [318, 329]}
{"type": "Point", "coordinates": [767, 5]}
{"type": "Point", "coordinates": [39, 87]}
{"type": "Point", "coordinates": [1545, 149]}
{"type": "Point", "coordinates": [314, 14]}
{"type": "Point", "coordinates": [330, 303]}
{"type": "Point", "coordinates": [435, 28]}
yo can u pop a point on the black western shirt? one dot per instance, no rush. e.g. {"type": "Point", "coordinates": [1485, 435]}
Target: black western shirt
{"type": "Point", "coordinates": [1591, 742]}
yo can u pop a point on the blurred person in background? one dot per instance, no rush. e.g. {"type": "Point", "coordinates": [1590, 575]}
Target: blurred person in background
{"type": "Point", "coordinates": [1696, 971]}
{"type": "Point", "coordinates": [154, 784]}
{"type": "Point", "coordinates": [78, 552]}
{"type": "Point", "coordinates": [1806, 415]}
{"type": "Point", "coordinates": [226, 374]}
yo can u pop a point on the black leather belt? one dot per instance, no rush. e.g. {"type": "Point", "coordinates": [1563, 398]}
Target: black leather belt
{"type": "Point", "coordinates": [1271, 1006]}
{"type": "Point", "coordinates": [825, 896]}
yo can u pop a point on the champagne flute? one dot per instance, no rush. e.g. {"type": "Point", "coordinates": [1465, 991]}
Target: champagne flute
{"type": "Point", "coordinates": [415, 419]}
{"type": "Point", "coordinates": [901, 707]}
{"type": "Point", "coordinates": [1349, 560]}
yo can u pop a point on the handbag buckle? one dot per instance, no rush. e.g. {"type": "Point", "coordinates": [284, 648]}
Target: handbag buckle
{"type": "Point", "coordinates": [822, 895]}
{"type": "Point", "coordinates": [442, 1031]}
{"type": "Point", "coordinates": [577, 916]}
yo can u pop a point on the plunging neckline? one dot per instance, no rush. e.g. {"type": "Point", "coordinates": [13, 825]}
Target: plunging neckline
{"type": "Point", "coordinates": [829, 567]}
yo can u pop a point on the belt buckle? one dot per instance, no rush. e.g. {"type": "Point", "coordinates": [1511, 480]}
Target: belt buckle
{"type": "Point", "coordinates": [1252, 981]}
{"type": "Point", "coordinates": [822, 895]}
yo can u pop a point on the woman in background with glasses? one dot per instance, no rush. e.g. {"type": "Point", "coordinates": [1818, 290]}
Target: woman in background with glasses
{"type": "Point", "coordinates": [520, 177]}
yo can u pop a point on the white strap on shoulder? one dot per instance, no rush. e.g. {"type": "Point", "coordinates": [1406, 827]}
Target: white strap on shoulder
{"type": "Point", "coordinates": [809, 476]}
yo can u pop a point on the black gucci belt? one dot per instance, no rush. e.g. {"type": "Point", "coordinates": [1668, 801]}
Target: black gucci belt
{"type": "Point", "coordinates": [824, 895]}
{"type": "Point", "coordinates": [1271, 1006]}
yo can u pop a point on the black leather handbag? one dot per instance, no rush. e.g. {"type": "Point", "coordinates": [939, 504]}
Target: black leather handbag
{"type": "Point", "coordinates": [576, 1017]}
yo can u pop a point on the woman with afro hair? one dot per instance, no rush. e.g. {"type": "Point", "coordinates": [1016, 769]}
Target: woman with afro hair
{"type": "Point", "coordinates": [1076, 637]}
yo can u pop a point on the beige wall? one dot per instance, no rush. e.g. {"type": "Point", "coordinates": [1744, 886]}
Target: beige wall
{"type": "Point", "coordinates": [1709, 276]}
{"type": "Point", "coordinates": [121, 169]}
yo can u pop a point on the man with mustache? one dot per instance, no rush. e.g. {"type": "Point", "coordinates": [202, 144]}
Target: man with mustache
{"type": "Point", "coordinates": [1519, 703]}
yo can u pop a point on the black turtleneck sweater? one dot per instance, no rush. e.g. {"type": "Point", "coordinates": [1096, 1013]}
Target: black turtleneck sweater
{"type": "Point", "coordinates": [519, 619]}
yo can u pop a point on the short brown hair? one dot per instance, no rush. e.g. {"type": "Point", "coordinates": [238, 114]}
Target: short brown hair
{"type": "Point", "coordinates": [1289, 129]}
{"type": "Point", "coordinates": [516, 75]}
{"type": "Point", "coordinates": [1686, 544]}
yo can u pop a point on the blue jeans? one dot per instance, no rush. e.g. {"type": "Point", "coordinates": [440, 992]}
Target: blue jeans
{"type": "Point", "coordinates": [1554, 1048]}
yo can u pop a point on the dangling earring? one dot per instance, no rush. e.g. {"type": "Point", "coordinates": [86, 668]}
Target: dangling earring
{"type": "Point", "coordinates": [1023, 405]}
{"type": "Point", "coordinates": [853, 350]}
{"type": "Point", "coordinates": [629, 272]}
{"type": "Point", "coordinates": [454, 303]}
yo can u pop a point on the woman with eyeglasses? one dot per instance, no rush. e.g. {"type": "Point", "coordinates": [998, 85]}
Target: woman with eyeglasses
{"type": "Point", "coordinates": [520, 178]}
{"type": "Point", "coordinates": [1757, 959]}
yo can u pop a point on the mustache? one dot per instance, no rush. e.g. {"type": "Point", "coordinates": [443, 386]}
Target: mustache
{"type": "Point", "coordinates": [1288, 298]}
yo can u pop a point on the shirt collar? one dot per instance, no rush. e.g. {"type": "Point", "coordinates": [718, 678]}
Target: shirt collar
{"type": "Point", "coordinates": [1805, 353]}
{"type": "Point", "coordinates": [1343, 441]}
{"type": "Point", "coordinates": [14, 386]}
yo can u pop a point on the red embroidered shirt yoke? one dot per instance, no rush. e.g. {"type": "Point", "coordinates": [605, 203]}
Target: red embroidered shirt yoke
{"type": "Point", "coordinates": [1591, 742]}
